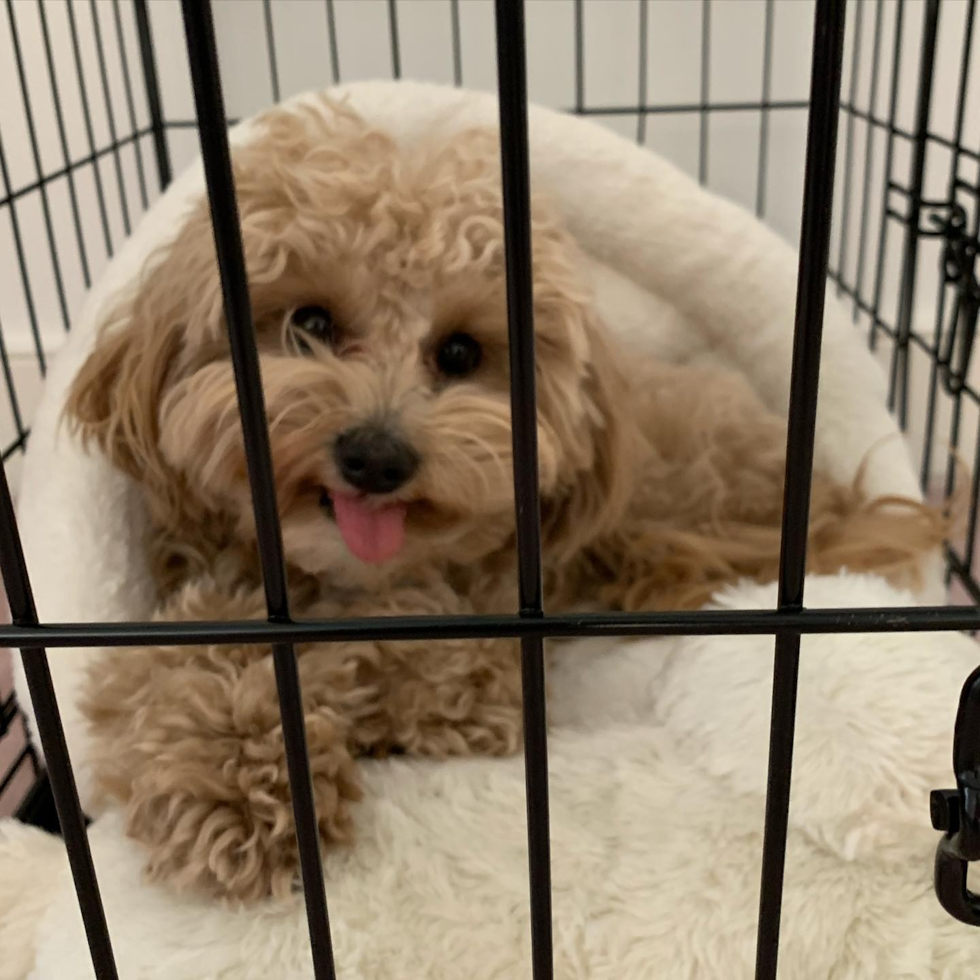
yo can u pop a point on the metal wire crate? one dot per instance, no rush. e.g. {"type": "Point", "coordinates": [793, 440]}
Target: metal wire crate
{"type": "Point", "coordinates": [858, 225]}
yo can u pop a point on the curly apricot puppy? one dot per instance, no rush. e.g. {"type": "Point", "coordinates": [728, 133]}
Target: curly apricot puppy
{"type": "Point", "coordinates": [377, 281]}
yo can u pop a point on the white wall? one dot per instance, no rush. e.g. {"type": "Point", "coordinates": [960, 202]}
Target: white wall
{"type": "Point", "coordinates": [611, 69]}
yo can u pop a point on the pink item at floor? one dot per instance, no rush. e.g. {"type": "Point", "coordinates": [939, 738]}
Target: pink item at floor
{"type": "Point", "coordinates": [12, 744]}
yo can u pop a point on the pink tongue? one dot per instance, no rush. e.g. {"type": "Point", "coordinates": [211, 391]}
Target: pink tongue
{"type": "Point", "coordinates": [373, 534]}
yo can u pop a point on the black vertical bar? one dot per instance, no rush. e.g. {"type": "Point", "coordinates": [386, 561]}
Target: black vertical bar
{"type": "Point", "coordinates": [818, 197]}
{"type": "Point", "coordinates": [760, 186]}
{"type": "Point", "coordinates": [63, 139]}
{"type": "Point", "coordinates": [515, 171]}
{"type": "Point", "coordinates": [89, 132]}
{"type": "Point", "coordinates": [25, 277]}
{"type": "Point", "coordinates": [811, 282]}
{"type": "Point", "coordinates": [130, 106]}
{"type": "Point", "coordinates": [59, 284]}
{"type": "Point", "coordinates": [868, 148]}
{"type": "Point", "coordinates": [49, 727]}
{"type": "Point", "coordinates": [332, 39]}
{"type": "Point", "coordinates": [952, 458]}
{"type": "Point", "coordinates": [579, 56]}
{"type": "Point", "coordinates": [954, 169]}
{"type": "Point", "coordinates": [952, 461]}
{"type": "Point", "coordinates": [898, 382]}
{"type": "Point", "coordinates": [457, 43]}
{"type": "Point", "coordinates": [705, 86]}
{"type": "Point", "coordinates": [889, 149]}
{"type": "Point", "coordinates": [641, 118]}
{"type": "Point", "coordinates": [151, 81]}
{"type": "Point", "coordinates": [8, 378]}
{"type": "Point", "coordinates": [270, 44]}
{"type": "Point", "coordinates": [845, 209]}
{"type": "Point", "coordinates": [110, 116]}
{"type": "Point", "coordinates": [396, 54]}
{"type": "Point", "coordinates": [212, 127]}
{"type": "Point", "coordinates": [969, 546]}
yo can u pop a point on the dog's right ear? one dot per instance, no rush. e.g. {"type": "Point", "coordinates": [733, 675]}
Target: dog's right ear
{"type": "Point", "coordinates": [114, 400]}
{"type": "Point", "coordinates": [142, 348]}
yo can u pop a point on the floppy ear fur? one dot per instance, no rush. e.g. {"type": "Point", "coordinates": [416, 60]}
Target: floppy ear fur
{"type": "Point", "coordinates": [141, 349]}
{"type": "Point", "coordinates": [115, 397]}
{"type": "Point", "coordinates": [595, 502]}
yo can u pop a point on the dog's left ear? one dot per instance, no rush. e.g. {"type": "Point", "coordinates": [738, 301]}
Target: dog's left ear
{"type": "Point", "coordinates": [595, 501]}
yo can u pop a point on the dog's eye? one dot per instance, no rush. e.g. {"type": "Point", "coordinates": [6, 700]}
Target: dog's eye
{"type": "Point", "coordinates": [459, 355]}
{"type": "Point", "coordinates": [315, 322]}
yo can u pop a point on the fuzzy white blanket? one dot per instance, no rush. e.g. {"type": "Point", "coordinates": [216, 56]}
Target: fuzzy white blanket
{"type": "Point", "coordinates": [658, 747]}
{"type": "Point", "coordinates": [658, 759]}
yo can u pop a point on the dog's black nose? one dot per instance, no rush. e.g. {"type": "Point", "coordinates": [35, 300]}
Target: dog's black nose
{"type": "Point", "coordinates": [374, 460]}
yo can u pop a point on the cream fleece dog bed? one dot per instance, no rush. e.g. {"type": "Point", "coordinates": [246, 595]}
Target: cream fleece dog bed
{"type": "Point", "coordinates": [658, 747]}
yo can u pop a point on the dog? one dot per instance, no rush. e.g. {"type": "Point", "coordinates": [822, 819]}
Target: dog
{"type": "Point", "coordinates": [377, 282]}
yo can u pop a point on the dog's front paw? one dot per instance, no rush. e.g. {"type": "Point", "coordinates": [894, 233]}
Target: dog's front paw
{"type": "Point", "coordinates": [455, 698]}
{"type": "Point", "coordinates": [191, 744]}
{"type": "Point", "coordinates": [216, 812]}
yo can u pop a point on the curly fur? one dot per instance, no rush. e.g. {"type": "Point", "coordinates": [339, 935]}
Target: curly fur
{"type": "Point", "coordinates": [659, 484]}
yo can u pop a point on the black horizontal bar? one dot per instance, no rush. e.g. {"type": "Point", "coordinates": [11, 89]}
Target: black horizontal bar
{"type": "Point", "coordinates": [964, 185]}
{"type": "Point", "coordinates": [192, 123]}
{"type": "Point", "coordinates": [936, 138]}
{"type": "Point", "coordinates": [16, 446]}
{"type": "Point", "coordinates": [875, 121]}
{"type": "Point", "coordinates": [748, 622]}
{"type": "Point", "coordinates": [925, 345]}
{"type": "Point", "coordinates": [674, 109]}
{"type": "Point", "coordinates": [669, 108]}
{"type": "Point", "coordinates": [666, 108]}
{"type": "Point", "coordinates": [112, 147]}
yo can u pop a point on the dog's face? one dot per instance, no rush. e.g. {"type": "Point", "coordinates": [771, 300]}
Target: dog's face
{"type": "Point", "coordinates": [379, 297]}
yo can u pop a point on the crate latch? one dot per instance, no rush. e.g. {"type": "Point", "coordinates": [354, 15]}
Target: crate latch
{"type": "Point", "coordinates": [948, 221]}
{"type": "Point", "coordinates": [957, 812]}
